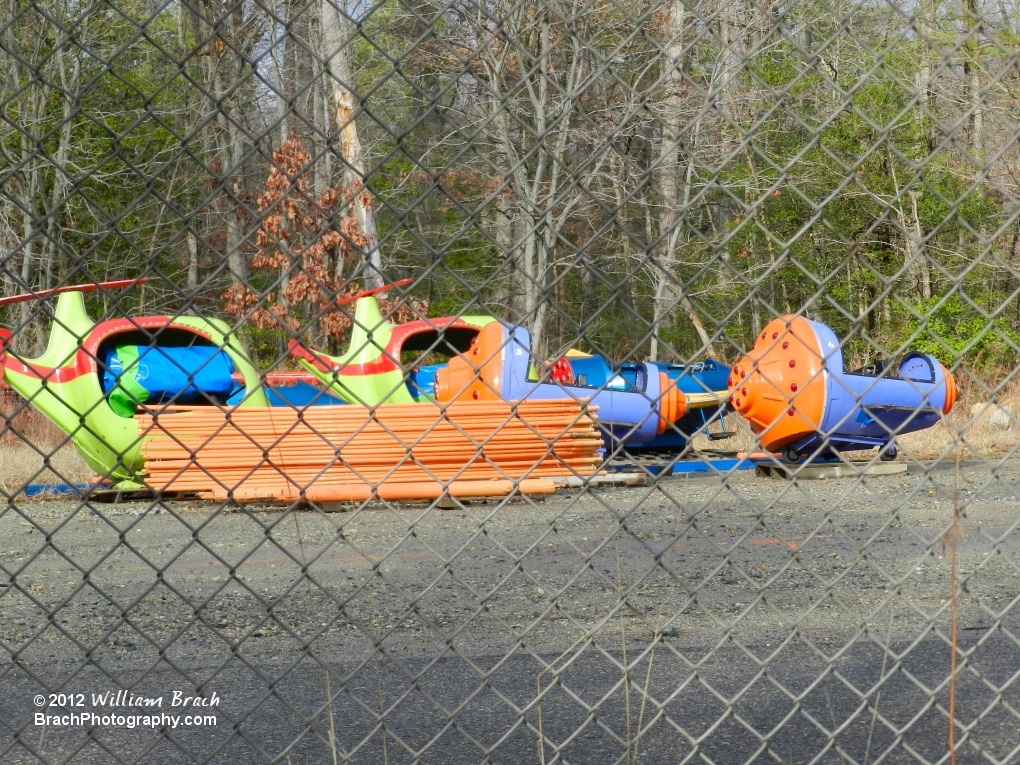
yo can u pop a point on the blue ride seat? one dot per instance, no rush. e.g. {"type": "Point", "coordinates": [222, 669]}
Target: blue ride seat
{"type": "Point", "coordinates": [135, 374]}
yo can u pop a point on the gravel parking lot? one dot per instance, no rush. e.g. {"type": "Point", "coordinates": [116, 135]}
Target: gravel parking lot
{"type": "Point", "coordinates": [733, 618]}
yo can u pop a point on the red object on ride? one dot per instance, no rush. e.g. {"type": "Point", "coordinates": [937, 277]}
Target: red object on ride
{"type": "Point", "coordinates": [377, 290]}
{"type": "Point", "coordinates": [562, 372]}
{"type": "Point", "coordinates": [121, 284]}
{"type": "Point", "coordinates": [5, 337]}
{"type": "Point", "coordinates": [298, 350]}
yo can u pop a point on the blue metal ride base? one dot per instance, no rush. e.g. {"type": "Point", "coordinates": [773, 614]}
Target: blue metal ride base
{"type": "Point", "coordinates": [62, 489]}
{"type": "Point", "coordinates": [664, 468]}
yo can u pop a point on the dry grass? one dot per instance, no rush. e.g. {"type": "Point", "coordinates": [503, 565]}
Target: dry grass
{"type": "Point", "coordinates": [743, 441]}
{"type": "Point", "coordinates": [21, 465]}
{"type": "Point", "coordinates": [33, 450]}
{"type": "Point", "coordinates": [20, 423]}
{"type": "Point", "coordinates": [966, 428]}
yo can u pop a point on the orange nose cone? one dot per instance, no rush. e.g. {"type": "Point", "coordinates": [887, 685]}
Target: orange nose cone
{"type": "Point", "coordinates": [952, 392]}
{"type": "Point", "coordinates": [476, 376]}
{"type": "Point", "coordinates": [672, 403]}
{"type": "Point", "coordinates": [746, 389]}
{"type": "Point", "coordinates": [784, 378]}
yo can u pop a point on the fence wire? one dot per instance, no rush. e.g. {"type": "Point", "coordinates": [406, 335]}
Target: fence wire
{"type": "Point", "coordinates": [509, 382]}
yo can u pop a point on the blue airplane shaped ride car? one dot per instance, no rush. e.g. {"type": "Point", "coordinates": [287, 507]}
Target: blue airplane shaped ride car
{"type": "Point", "coordinates": [793, 387]}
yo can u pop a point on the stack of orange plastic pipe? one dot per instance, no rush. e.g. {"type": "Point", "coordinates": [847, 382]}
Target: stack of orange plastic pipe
{"type": "Point", "coordinates": [352, 453]}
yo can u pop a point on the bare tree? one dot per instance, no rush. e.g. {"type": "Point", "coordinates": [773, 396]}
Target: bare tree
{"type": "Point", "coordinates": [534, 73]}
{"type": "Point", "coordinates": [675, 170]}
{"type": "Point", "coordinates": [336, 50]}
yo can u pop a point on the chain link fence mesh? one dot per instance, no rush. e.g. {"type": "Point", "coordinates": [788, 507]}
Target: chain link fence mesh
{"type": "Point", "coordinates": [382, 383]}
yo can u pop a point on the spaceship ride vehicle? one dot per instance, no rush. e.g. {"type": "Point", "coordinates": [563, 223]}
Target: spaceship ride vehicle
{"type": "Point", "coordinates": [793, 387]}
{"type": "Point", "coordinates": [93, 376]}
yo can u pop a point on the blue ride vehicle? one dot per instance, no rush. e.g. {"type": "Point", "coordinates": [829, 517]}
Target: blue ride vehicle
{"type": "Point", "coordinates": [644, 406]}
{"type": "Point", "coordinates": [800, 398]}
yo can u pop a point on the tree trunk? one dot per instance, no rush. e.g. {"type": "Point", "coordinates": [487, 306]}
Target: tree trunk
{"type": "Point", "coordinates": [232, 153]}
{"type": "Point", "coordinates": [279, 62]}
{"type": "Point", "coordinates": [30, 189]}
{"type": "Point", "coordinates": [673, 172]}
{"type": "Point", "coordinates": [509, 251]}
{"type": "Point", "coordinates": [192, 264]}
{"type": "Point", "coordinates": [338, 69]}
{"type": "Point", "coordinates": [321, 118]}
{"type": "Point", "coordinates": [971, 72]}
{"type": "Point", "coordinates": [917, 257]}
{"type": "Point", "coordinates": [236, 217]}
{"type": "Point", "coordinates": [54, 236]}
{"type": "Point", "coordinates": [915, 261]}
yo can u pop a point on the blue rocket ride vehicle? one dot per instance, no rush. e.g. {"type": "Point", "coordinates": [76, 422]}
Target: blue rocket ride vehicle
{"type": "Point", "coordinates": [793, 387]}
{"type": "Point", "coordinates": [693, 381]}
{"type": "Point", "coordinates": [648, 406]}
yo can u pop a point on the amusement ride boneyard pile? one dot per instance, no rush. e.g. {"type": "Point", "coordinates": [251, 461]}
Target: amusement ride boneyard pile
{"type": "Point", "coordinates": [175, 404]}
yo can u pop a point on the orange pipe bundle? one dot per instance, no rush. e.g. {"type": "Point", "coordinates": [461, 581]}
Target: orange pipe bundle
{"type": "Point", "coordinates": [352, 453]}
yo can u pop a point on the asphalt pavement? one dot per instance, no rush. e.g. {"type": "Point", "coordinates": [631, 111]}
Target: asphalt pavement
{"type": "Point", "coordinates": [726, 619]}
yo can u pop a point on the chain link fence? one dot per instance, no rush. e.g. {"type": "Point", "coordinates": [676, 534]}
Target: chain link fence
{"type": "Point", "coordinates": [509, 382]}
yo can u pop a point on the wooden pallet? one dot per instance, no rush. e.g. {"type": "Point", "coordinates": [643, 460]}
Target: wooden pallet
{"type": "Point", "coordinates": [822, 470]}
